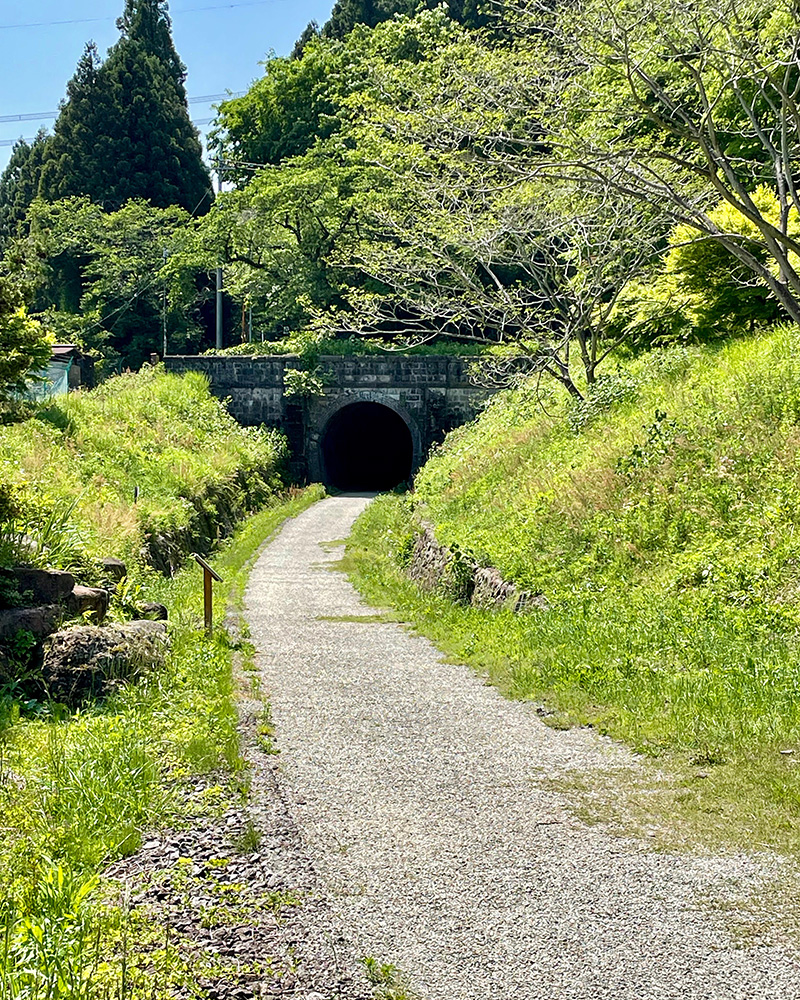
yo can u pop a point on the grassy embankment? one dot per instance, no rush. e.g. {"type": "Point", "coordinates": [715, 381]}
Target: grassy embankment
{"type": "Point", "coordinates": [77, 791]}
{"type": "Point", "coordinates": [151, 462]}
{"type": "Point", "coordinates": [661, 520]}
{"type": "Point", "coordinates": [306, 345]}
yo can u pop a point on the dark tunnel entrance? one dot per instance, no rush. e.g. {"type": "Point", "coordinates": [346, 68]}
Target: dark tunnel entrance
{"type": "Point", "coordinates": [366, 447]}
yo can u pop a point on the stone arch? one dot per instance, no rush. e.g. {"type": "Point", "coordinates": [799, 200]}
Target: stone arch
{"type": "Point", "coordinates": [325, 417]}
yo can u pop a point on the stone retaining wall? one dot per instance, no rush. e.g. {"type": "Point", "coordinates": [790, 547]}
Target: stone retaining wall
{"type": "Point", "coordinates": [455, 573]}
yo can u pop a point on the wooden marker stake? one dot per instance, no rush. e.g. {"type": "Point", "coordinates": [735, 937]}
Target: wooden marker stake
{"type": "Point", "coordinates": [208, 575]}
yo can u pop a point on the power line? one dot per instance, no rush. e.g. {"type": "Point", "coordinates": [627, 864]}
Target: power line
{"type": "Point", "coordinates": [11, 142]}
{"type": "Point", "coordinates": [95, 20]}
{"type": "Point", "coordinates": [35, 116]}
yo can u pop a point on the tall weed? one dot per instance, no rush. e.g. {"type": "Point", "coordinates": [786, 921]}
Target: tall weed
{"type": "Point", "coordinates": [50, 945]}
{"type": "Point", "coordinates": [145, 461]}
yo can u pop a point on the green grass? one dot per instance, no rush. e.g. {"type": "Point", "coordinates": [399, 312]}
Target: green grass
{"type": "Point", "coordinates": [305, 344]}
{"type": "Point", "coordinates": [78, 791]}
{"type": "Point", "coordinates": [387, 981]}
{"type": "Point", "coordinates": [148, 464]}
{"type": "Point", "coordinates": [661, 520]}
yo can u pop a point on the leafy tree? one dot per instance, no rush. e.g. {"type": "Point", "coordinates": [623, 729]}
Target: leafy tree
{"type": "Point", "coordinates": [299, 102]}
{"type": "Point", "coordinates": [124, 131]}
{"type": "Point", "coordinates": [347, 14]}
{"type": "Point", "coordinates": [293, 105]}
{"type": "Point", "coordinates": [403, 221]}
{"type": "Point", "coordinates": [101, 277]}
{"type": "Point", "coordinates": [701, 291]}
{"type": "Point", "coordinates": [287, 234]}
{"type": "Point", "coordinates": [537, 270]}
{"type": "Point", "coordinates": [24, 345]}
{"type": "Point", "coordinates": [457, 239]}
{"type": "Point", "coordinates": [681, 106]}
{"type": "Point", "coordinates": [725, 296]}
{"type": "Point", "coordinates": [278, 235]}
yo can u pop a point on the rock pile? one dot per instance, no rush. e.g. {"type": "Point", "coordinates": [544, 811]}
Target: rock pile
{"type": "Point", "coordinates": [73, 664]}
{"type": "Point", "coordinates": [48, 596]}
{"type": "Point", "coordinates": [90, 661]}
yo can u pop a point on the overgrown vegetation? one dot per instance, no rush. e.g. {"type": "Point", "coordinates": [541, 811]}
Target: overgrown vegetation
{"type": "Point", "coordinates": [386, 979]}
{"type": "Point", "coordinates": [659, 519]}
{"type": "Point", "coordinates": [24, 344]}
{"type": "Point", "coordinates": [77, 792]}
{"type": "Point", "coordinates": [147, 466]}
{"type": "Point", "coordinates": [142, 468]}
{"type": "Point", "coordinates": [312, 344]}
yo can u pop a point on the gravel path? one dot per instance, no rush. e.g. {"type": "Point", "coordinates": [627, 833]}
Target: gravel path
{"type": "Point", "coordinates": [417, 790]}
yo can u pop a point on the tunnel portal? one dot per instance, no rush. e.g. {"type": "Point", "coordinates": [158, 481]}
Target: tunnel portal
{"type": "Point", "coordinates": [366, 447]}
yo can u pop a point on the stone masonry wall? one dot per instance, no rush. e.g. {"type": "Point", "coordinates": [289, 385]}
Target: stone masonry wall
{"type": "Point", "coordinates": [435, 566]}
{"type": "Point", "coordinates": [432, 393]}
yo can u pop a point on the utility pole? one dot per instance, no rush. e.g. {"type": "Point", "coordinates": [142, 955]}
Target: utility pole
{"type": "Point", "coordinates": [164, 307]}
{"type": "Point", "coordinates": [219, 271]}
{"type": "Point", "coordinates": [219, 308]}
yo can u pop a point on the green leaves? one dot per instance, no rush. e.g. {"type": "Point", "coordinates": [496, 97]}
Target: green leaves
{"type": "Point", "coordinates": [683, 107]}
{"type": "Point", "coordinates": [100, 277]}
{"type": "Point", "coordinates": [124, 131]}
{"type": "Point", "coordinates": [24, 344]}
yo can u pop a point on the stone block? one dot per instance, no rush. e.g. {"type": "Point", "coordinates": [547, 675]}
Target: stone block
{"type": "Point", "coordinates": [114, 569]}
{"type": "Point", "coordinates": [40, 622]}
{"type": "Point", "coordinates": [152, 611]}
{"type": "Point", "coordinates": [43, 586]}
{"type": "Point", "coordinates": [491, 590]}
{"type": "Point", "coordinates": [84, 599]}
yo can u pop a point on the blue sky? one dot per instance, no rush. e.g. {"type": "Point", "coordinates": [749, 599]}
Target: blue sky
{"type": "Point", "coordinates": [220, 41]}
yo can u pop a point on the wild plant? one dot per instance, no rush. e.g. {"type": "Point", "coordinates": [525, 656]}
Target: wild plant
{"type": "Point", "coordinates": [50, 943]}
{"type": "Point", "coordinates": [43, 535]}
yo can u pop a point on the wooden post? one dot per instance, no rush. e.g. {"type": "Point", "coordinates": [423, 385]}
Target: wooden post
{"type": "Point", "coordinates": [208, 602]}
{"type": "Point", "coordinates": [208, 575]}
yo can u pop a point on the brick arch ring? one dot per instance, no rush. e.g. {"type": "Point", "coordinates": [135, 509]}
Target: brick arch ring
{"type": "Point", "coordinates": [322, 415]}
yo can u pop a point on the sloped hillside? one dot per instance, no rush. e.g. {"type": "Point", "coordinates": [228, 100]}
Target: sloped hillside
{"type": "Point", "coordinates": [143, 467]}
{"type": "Point", "coordinates": [660, 519]}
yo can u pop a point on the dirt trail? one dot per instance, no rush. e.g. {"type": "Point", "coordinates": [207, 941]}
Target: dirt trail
{"type": "Point", "coordinates": [420, 794]}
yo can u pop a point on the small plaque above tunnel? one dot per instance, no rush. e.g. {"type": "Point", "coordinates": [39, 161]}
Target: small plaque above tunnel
{"type": "Point", "coordinates": [366, 447]}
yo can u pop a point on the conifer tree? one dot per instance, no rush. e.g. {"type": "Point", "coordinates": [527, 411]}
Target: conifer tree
{"type": "Point", "coordinates": [19, 184]}
{"type": "Point", "coordinates": [124, 131]}
{"type": "Point", "coordinates": [310, 32]}
{"type": "Point", "coordinates": [346, 14]}
{"type": "Point", "coordinates": [149, 22]}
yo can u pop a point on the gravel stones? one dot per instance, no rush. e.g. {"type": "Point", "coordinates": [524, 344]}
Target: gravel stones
{"type": "Point", "coordinates": [427, 802]}
{"type": "Point", "coordinates": [236, 892]}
